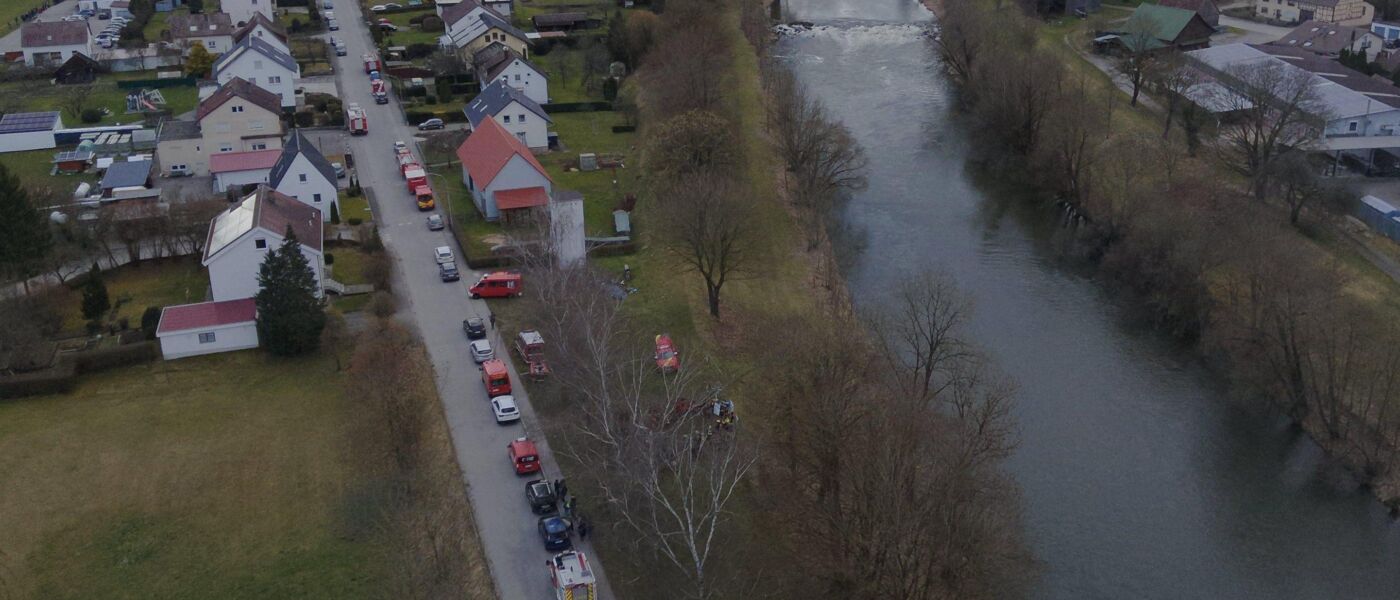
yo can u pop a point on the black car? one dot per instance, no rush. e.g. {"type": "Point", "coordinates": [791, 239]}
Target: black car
{"type": "Point", "coordinates": [540, 493]}
{"type": "Point", "coordinates": [475, 328]}
{"type": "Point", "coordinates": [448, 271]}
{"type": "Point", "coordinates": [555, 533]}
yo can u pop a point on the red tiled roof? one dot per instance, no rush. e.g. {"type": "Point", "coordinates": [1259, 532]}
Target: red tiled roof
{"type": "Point", "coordinates": [206, 314]}
{"type": "Point", "coordinates": [489, 148]}
{"type": "Point", "coordinates": [239, 87]}
{"type": "Point", "coordinates": [277, 210]}
{"type": "Point", "coordinates": [521, 198]}
{"type": "Point", "coordinates": [243, 161]}
{"type": "Point", "coordinates": [53, 33]}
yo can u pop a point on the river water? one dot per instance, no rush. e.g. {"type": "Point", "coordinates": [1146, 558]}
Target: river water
{"type": "Point", "coordinates": [1141, 479]}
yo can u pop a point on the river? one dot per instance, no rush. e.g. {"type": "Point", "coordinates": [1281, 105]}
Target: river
{"type": "Point", "coordinates": [1141, 478]}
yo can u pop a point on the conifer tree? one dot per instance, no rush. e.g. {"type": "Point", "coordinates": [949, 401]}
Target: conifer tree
{"type": "Point", "coordinates": [24, 235]}
{"type": "Point", "coordinates": [290, 316]}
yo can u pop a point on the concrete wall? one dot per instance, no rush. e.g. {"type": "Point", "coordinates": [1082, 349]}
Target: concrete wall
{"type": "Point", "coordinates": [227, 338]}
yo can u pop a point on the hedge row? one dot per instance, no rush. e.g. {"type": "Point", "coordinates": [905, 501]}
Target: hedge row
{"type": "Point", "coordinates": [61, 378]}
{"type": "Point", "coordinates": [567, 107]}
{"type": "Point", "coordinates": [624, 128]}
{"type": "Point", "coordinates": [157, 83]}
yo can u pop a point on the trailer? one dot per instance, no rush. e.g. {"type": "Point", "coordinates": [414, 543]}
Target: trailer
{"type": "Point", "coordinates": [355, 119]}
{"type": "Point", "coordinates": [380, 91]}
{"type": "Point", "coordinates": [415, 176]}
{"type": "Point", "coordinates": [571, 577]}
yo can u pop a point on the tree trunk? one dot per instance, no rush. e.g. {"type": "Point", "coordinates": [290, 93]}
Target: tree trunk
{"type": "Point", "coordinates": [1171, 112]}
{"type": "Point", "coordinates": [712, 292]}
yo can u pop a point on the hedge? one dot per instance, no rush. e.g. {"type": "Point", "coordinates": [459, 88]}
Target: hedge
{"type": "Point", "coordinates": [64, 374]}
{"type": "Point", "coordinates": [101, 359]}
{"type": "Point", "coordinates": [624, 128]}
{"type": "Point", "coordinates": [157, 83]}
{"type": "Point", "coordinates": [57, 380]}
{"type": "Point", "coordinates": [567, 107]}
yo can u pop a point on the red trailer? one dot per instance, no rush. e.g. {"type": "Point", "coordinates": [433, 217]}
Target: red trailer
{"type": "Point", "coordinates": [416, 176]}
{"type": "Point", "coordinates": [355, 120]}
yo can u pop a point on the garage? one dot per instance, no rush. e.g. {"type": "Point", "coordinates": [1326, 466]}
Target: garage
{"type": "Point", "coordinates": [232, 170]}
{"type": "Point", "coordinates": [29, 131]}
{"type": "Point", "coordinates": [207, 328]}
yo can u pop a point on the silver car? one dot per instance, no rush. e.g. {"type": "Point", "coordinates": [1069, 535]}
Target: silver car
{"type": "Point", "coordinates": [482, 351]}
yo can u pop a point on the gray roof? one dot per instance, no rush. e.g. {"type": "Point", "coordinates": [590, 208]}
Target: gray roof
{"type": "Point", "coordinates": [298, 145]}
{"type": "Point", "coordinates": [202, 25]}
{"type": "Point", "coordinates": [1322, 38]}
{"type": "Point", "coordinates": [1339, 101]}
{"type": "Point", "coordinates": [132, 173]}
{"type": "Point", "coordinates": [491, 19]}
{"type": "Point", "coordinates": [254, 44]}
{"type": "Point", "coordinates": [28, 122]}
{"type": "Point", "coordinates": [495, 98]}
{"type": "Point", "coordinates": [173, 129]}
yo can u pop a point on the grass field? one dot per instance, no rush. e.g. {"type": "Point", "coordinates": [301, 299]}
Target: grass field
{"type": "Point", "coordinates": [213, 477]}
{"type": "Point", "coordinates": [33, 168]}
{"type": "Point", "coordinates": [42, 95]}
{"type": "Point", "coordinates": [10, 11]}
{"type": "Point", "coordinates": [131, 288]}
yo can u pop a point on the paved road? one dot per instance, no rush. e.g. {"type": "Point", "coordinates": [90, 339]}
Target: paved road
{"type": "Point", "coordinates": [10, 43]}
{"type": "Point", "coordinates": [513, 548]}
{"type": "Point", "coordinates": [1259, 32]}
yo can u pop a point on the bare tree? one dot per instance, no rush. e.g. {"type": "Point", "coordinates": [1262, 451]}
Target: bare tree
{"type": "Point", "coordinates": [710, 226]}
{"type": "Point", "coordinates": [692, 142]}
{"type": "Point", "coordinates": [75, 99]}
{"type": "Point", "coordinates": [1277, 110]}
{"type": "Point", "coordinates": [921, 334]}
{"type": "Point", "coordinates": [1295, 181]}
{"type": "Point", "coordinates": [1140, 46]}
{"type": "Point", "coordinates": [688, 62]}
{"type": "Point", "coordinates": [1173, 79]}
{"type": "Point", "coordinates": [1074, 138]}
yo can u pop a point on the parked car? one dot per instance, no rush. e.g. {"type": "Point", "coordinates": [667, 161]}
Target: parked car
{"type": "Point", "coordinates": [435, 222]}
{"type": "Point", "coordinates": [482, 351]}
{"type": "Point", "coordinates": [443, 254]}
{"type": "Point", "coordinates": [505, 410]}
{"type": "Point", "coordinates": [388, 27]}
{"type": "Point", "coordinates": [495, 377]}
{"type": "Point", "coordinates": [523, 455]}
{"type": "Point", "coordinates": [327, 5]}
{"type": "Point", "coordinates": [74, 18]}
{"type": "Point", "coordinates": [555, 533]}
{"type": "Point", "coordinates": [668, 359]}
{"type": "Point", "coordinates": [332, 25]}
{"type": "Point", "coordinates": [339, 170]}
{"type": "Point", "coordinates": [448, 271]}
{"type": "Point", "coordinates": [378, 8]}
{"type": "Point", "coordinates": [475, 328]}
{"type": "Point", "coordinates": [329, 14]}
{"type": "Point", "coordinates": [340, 50]}
{"type": "Point", "coordinates": [433, 123]}
{"type": "Point", "coordinates": [540, 494]}
{"type": "Point", "coordinates": [393, 5]}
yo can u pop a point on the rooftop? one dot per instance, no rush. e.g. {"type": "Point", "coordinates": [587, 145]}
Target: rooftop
{"type": "Point", "coordinates": [131, 173]}
{"type": "Point", "coordinates": [175, 129]}
{"type": "Point", "coordinates": [296, 146]}
{"type": "Point", "coordinates": [28, 122]}
{"type": "Point", "coordinates": [205, 315]}
{"type": "Point", "coordinates": [201, 25]}
{"type": "Point", "coordinates": [268, 210]}
{"type": "Point", "coordinates": [253, 23]}
{"type": "Point", "coordinates": [521, 198]}
{"type": "Point", "coordinates": [489, 148]}
{"type": "Point", "coordinates": [1322, 38]}
{"type": "Point", "coordinates": [1339, 100]}
{"type": "Point", "coordinates": [239, 88]}
{"type": "Point", "coordinates": [228, 162]}
{"type": "Point", "coordinates": [53, 33]}
{"type": "Point", "coordinates": [495, 98]}
{"type": "Point", "coordinates": [253, 45]}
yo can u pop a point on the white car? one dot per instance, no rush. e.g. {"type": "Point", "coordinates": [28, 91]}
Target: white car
{"type": "Point", "coordinates": [481, 351]}
{"type": "Point", "coordinates": [443, 254]}
{"type": "Point", "coordinates": [378, 8]}
{"type": "Point", "coordinates": [505, 409]}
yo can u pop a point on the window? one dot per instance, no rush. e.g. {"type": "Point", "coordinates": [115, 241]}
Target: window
{"type": "Point", "coordinates": [507, 118]}
{"type": "Point", "coordinates": [206, 338]}
{"type": "Point", "coordinates": [302, 177]}
{"type": "Point", "coordinates": [260, 243]}
{"type": "Point", "coordinates": [316, 198]}
{"type": "Point", "coordinates": [517, 77]}
{"type": "Point", "coordinates": [238, 108]}
{"type": "Point", "coordinates": [225, 148]}
{"type": "Point", "coordinates": [255, 125]}
{"type": "Point", "coordinates": [1351, 126]}
{"type": "Point", "coordinates": [274, 80]}
{"type": "Point", "coordinates": [260, 146]}
{"type": "Point", "coordinates": [522, 118]}
{"type": "Point", "coordinates": [213, 45]}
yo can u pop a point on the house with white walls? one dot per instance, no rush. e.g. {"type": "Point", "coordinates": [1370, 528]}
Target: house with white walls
{"type": "Point", "coordinates": [207, 327]}
{"type": "Point", "coordinates": [471, 27]}
{"type": "Point", "coordinates": [500, 63]}
{"type": "Point", "coordinates": [260, 63]}
{"type": "Point", "coordinates": [240, 238]}
{"type": "Point", "coordinates": [214, 31]}
{"type": "Point", "coordinates": [50, 43]}
{"type": "Point", "coordinates": [501, 174]}
{"type": "Point", "coordinates": [302, 172]}
{"type": "Point", "coordinates": [242, 11]}
{"type": "Point", "coordinates": [265, 29]}
{"type": "Point", "coordinates": [514, 111]}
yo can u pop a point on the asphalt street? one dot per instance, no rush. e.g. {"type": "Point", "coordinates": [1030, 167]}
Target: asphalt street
{"type": "Point", "coordinates": [507, 527]}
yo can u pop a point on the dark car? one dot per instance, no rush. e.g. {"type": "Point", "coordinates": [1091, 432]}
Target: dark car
{"type": "Point", "coordinates": [433, 123]}
{"type": "Point", "coordinates": [555, 533]}
{"type": "Point", "coordinates": [475, 328]}
{"type": "Point", "coordinates": [540, 494]}
{"type": "Point", "coordinates": [448, 271]}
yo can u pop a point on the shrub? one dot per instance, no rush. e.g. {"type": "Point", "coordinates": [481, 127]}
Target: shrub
{"type": "Point", "coordinates": [297, 26]}
{"type": "Point", "coordinates": [150, 320]}
{"type": "Point", "coordinates": [330, 258]}
{"type": "Point", "coordinates": [432, 24]}
{"type": "Point", "coordinates": [91, 115]}
{"type": "Point", "coordinates": [354, 221]}
{"type": "Point", "coordinates": [430, 99]}
{"type": "Point", "coordinates": [610, 89]}
{"type": "Point", "coordinates": [418, 19]}
{"type": "Point", "coordinates": [335, 220]}
{"type": "Point", "coordinates": [305, 118]}
{"type": "Point", "coordinates": [123, 324]}
{"type": "Point", "coordinates": [419, 51]}
{"type": "Point", "coordinates": [116, 356]}
{"type": "Point", "coordinates": [383, 305]}
{"type": "Point", "coordinates": [94, 327]}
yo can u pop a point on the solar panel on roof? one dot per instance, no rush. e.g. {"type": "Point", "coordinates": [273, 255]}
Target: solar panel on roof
{"type": "Point", "coordinates": [26, 122]}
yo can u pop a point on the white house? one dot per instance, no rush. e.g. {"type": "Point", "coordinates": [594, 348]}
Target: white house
{"type": "Point", "coordinates": [240, 237]}
{"type": "Point", "coordinates": [471, 27]}
{"type": "Point", "coordinates": [514, 111]}
{"type": "Point", "coordinates": [302, 172]}
{"type": "Point", "coordinates": [261, 64]}
{"type": "Point", "coordinates": [29, 131]}
{"type": "Point", "coordinates": [501, 173]}
{"type": "Point", "coordinates": [265, 29]}
{"type": "Point", "coordinates": [214, 31]}
{"type": "Point", "coordinates": [507, 66]}
{"type": "Point", "coordinates": [242, 11]}
{"type": "Point", "coordinates": [50, 43]}
{"type": "Point", "coordinates": [235, 169]}
{"type": "Point", "coordinates": [207, 327]}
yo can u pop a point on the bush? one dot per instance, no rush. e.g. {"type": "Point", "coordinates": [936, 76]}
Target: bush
{"type": "Point", "coordinates": [296, 26]}
{"type": "Point", "coordinates": [150, 320]}
{"type": "Point", "coordinates": [330, 258]}
{"type": "Point", "coordinates": [115, 356]}
{"type": "Point", "coordinates": [430, 99]}
{"type": "Point", "coordinates": [432, 24]}
{"type": "Point", "coordinates": [57, 380]}
{"type": "Point", "coordinates": [335, 220]}
{"type": "Point", "coordinates": [418, 19]}
{"type": "Point", "coordinates": [93, 327]}
{"type": "Point", "coordinates": [305, 118]}
{"type": "Point", "coordinates": [419, 51]}
{"type": "Point", "coordinates": [354, 221]}
{"type": "Point", "coordinates": [383, 305]}
{"type": "Point", "coordinates": [91, 115]}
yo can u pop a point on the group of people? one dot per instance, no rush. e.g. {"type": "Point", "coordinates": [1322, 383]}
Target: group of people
{"type": "Point", "coordinates": [577, 521]}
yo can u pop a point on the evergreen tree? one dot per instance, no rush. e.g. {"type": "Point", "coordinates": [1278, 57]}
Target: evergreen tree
{"type": "Point", "coordinates": [290, 316]}
{"type": "Point", "coordinates": [95, 300]}
{"type": "Point", "coordinates": [24, 235]}
{"type": "Point", "coordinates": [335, 214]}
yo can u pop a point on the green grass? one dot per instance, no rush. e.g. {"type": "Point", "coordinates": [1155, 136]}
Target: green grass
{"type": "Point", "coordinates": [408, 34]}
{"type": "Point", "coordinates": [357, 206]}
{"type": "Point", "coordinates": [33, 168]}
{"type": "Point", "coordinates": [10, 11]}
{"type": "Point", "coordinates": [131, 288]}
{"type": "Point", "coordinates": [564, 66]}
{"type": "Point", "coordinates": [349, 304]}
{"type": "Point", "coordinates": [349, 267]}
{"type": "Point", "coordinates": [222, 476]}
{"type": "Point", "coordinates": [41, 95]}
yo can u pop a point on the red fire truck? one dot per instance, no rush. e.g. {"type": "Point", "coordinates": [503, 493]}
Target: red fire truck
{"type": "Point", "coordinates": [371, 63]}
{"type": "Point", "coordinates": [355, 119]}
{"type": "Point", "coordinates": [380, 91]}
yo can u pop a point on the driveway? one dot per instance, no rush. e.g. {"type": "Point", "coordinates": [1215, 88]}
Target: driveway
{"type": "Point", "coordinates": [10, 43]}
{"type": "Point", "coordinates": [1254, 32]}
{"type": "Point", "coordinates": [507, 528]}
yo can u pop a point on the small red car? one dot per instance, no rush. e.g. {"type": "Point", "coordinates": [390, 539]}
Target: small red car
{"type": "Point", "coordinates": [523, 456]}
{"type": "Point", "coordinates": [668, 359]}
{"type": "Point", "coordinates": [495, 378]}
{"type": "Point", "coordinates": [501, 284]}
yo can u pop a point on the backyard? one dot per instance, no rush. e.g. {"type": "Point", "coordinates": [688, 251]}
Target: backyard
{"type": "Point", "coordinates": [31, 95]}
{"type": "Point", "coordinates": [132, 288]}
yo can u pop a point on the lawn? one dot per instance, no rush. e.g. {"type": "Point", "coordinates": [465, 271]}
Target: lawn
{"type": "Point", "coordinates": [223, 476]}
{"type": "Point", "coordinates": [349, 267]}
{"type": "Point", "coordinates": [33, 168]}
{"type": "Point", "coordinates": [354, 207]}
{"type": "Point", "coordinates": [565, 69]}
{"type": "Point", "coordinates": [408, 34]}
{"type": "Point", "coordinates": [42, 95]}
{"type": "Point", "coordinates": [131, 288]}
{"type": "Point", "coordinates": [10, 11]}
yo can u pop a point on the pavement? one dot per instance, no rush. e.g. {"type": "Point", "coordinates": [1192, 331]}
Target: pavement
{"type": "Point", "coordinates": [1254, 32]}
{"type": "Point", "coordinates": [10, 42]}
{"type": "Point", "coordinates": [507, 528]}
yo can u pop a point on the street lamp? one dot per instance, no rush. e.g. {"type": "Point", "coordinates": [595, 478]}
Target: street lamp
{"type": "Point", "coordinates": [445, 194]}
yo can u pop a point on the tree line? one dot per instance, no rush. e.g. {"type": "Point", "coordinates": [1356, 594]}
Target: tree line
{"type": "Point", "coordinates": [1208, 224]}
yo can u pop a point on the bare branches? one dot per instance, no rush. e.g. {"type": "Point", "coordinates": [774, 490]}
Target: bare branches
{"type": "Point", "coordinates": [1278, 110]}
{"type": "Point", "coordinates": [711, 226]}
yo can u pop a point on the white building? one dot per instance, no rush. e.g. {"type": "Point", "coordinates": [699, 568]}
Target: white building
{"type": "Point", "coordinates": [302, 172]}
{"type": "Point", "coordinates": [29, 131]}
{"type": "Point", "coordinates": [512, 69]}
{"type": "Point", "coordinates": [207, 327]}
{"type": "Point", "coordinates": [514, 111]}
{"type": "Point", "coordinates": [261, 64]}
{"type": "Point", "coordinates": [501, 173]}
{"type": "Point", "coordinates": [240, 237]}
{"type": "Point", "coordinates": [50, 43]}
{"type": "Point", "coordinates": [214, 31]}
{"type": "Point", "coordinates": [242, 11]}
{"type": "Point", "coordinates": [265, 29]}
{"type": "Point", "coordinates": [1345, 12]}
{"type": "Point", "coordinates": [236, 169]}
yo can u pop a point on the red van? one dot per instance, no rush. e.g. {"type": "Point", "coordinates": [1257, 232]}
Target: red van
{"type": "Point", "coordinates": [500, 284]}
{"type": "Point", "coordinates": [494, 375]}
{"type": "Point", "coordinates": [523, 456]}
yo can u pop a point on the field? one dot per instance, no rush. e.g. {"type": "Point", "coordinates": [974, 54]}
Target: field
{"type": "Point", "coordinates": [132, 288]}
{"type": "Point", "coordinates": [10, 11]}
{"type": "Point", "coordinates": [212, 477]}
{"type": "Point", "coordinates": [42, 95]}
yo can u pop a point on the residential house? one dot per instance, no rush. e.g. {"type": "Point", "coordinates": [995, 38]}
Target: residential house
{"type": "Point", "coordinates": [1344, 12]}
{"type": "Point", "coordinates": [50, 43]}
{"type": "Point", "coordinates": [128, 180]}
{"type": "Point", "coordinates": [501, 174]}
{"type": "Point", "coordinates": [563, 21]}
{"type": "Point", "coordinates": [1329, 39]}
{"type": "Point", "coordinates": [238, 117]}
{"type": "Point", "coordinates": [242, 11]}
{"type": "Point", "coordinates": [302, 172]}
{"type": "Point", "coordinates": [472, 27]}
{"type": "Point", "coordinates": [513, 110]}
{"type": "Point", "coordinates": [1208, 9]}
{"type": "Point", "coordinates": [501, 63]}
{"type": "Point", "coordinates": [29, 131]}
{"type": "Point", "coordinates": [261, 63]}
{"type": "Point", "coordinates": [121, 8]}
{"type": "Point", "coordinates": [207, 327]}
{"type": "Point", "coordinates": [180, 149]}
{"type": "Point", "coordinates": [240, 238]}
{"type": "Point", "coordinates": [502, 7]}
{"type": "Point", "coordinates": [78, 69]}
{"type": "Point", "coordinates": [233, 170]}
{"type": "Point", "coordinates": [265, 29]}
{"type": "Point", "coordinates": [214, 31]}
{"type": "Point", "coordinates": [1154, 27]}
